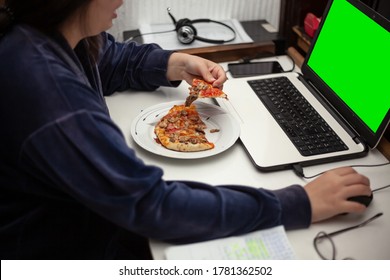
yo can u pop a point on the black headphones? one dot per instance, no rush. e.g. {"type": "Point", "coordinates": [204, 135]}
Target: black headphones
{"type": "Point", "coordinates": [186, 32]}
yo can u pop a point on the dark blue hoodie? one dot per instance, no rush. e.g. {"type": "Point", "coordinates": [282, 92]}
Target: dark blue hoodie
{"type": "Point", "coordinates": [71, 188]}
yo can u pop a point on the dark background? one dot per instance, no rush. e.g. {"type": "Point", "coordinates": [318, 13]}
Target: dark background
{"type": "Point", "coordinates": [293, 13]}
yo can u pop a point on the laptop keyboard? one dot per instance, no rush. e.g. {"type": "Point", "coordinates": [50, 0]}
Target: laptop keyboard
{"type": "Point", "coordinates": [306, 129]}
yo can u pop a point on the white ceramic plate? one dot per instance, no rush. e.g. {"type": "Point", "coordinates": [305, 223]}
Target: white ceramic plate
{"type": "Point", "coordinates": [142, 129]}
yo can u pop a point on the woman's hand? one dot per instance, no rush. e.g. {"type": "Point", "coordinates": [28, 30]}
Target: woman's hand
{"type": "Point", "coordinates": [329, 193]}
{"type": "Point", "coordinates": [187, 67]}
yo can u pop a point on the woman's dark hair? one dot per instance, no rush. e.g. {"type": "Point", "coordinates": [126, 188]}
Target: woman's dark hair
{"type": "Point", "coordinates": [45, 15]}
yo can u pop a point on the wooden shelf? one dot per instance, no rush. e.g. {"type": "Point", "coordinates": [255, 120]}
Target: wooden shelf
{"type": "Point", "coordinates": [384, 147]}
{"type": "Point", "coordinates": [232, 52]}
{"type": "Point", "coordinates": [264, 42]}
{"type": "Point", "coordinates": [296, 56]}
{"type": "Point", "coordinates": [303, 40]}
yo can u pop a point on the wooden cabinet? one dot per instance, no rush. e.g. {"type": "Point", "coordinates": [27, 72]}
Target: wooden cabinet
{"type": "Point", "coordinates": [293, 13]}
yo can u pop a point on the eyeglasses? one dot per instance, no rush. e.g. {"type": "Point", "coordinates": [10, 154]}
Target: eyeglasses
{"type": "Point", "coordinates": [324, 245]}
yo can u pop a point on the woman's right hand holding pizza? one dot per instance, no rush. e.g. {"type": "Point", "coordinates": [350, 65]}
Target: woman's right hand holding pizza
{"type": "Point", "coordinates": [187, 67]}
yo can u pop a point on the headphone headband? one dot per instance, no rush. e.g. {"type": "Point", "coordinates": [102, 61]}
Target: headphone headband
{"type": "Point", "coordinates": [187, 33]}
{"type": "Point", "coordinates": [215, 41]}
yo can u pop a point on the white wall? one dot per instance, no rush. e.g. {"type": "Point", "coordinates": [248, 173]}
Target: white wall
{"type": "Point", "coordinates": [133, 13]}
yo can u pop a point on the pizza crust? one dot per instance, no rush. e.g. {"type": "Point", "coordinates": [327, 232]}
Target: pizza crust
{"type": "Point", "coordinates": [189, 147]}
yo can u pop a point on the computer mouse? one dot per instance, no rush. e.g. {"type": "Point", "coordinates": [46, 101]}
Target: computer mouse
{"type": "Point", "coordinates": [363, 199]}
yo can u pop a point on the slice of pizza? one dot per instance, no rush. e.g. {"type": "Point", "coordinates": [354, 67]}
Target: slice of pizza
{"type": "Point", "coordinates": [203, 89]}
{"type": "Point", "coordinates": [183, 130]}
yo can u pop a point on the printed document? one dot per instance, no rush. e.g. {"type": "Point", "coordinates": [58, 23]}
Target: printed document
{"type": "Point", "coordinates": [269, 244]}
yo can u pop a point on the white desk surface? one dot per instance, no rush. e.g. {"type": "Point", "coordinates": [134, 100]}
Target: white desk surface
{"type": "Point", "coordinates": [234, 167]}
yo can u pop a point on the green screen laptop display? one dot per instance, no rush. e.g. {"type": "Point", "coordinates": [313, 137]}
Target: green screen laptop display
{"type": "Point", "coordinates": [352, 56]}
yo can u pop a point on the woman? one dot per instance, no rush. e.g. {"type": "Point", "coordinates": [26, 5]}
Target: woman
{"type": "Point", "coordinates": [69, 185]}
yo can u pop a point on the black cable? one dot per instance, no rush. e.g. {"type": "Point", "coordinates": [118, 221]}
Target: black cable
{"type": "Point", "coordinates": [150, 33]}
{"type": "Point", "coordinates": [292, 61]}
{"type": "Point", "coordinates": [267, 54]}
{"type": "Point", "coordinates": [328, 236]}
{"type": "Point", "coordinates": [298, 169]}
{"type": "Point", "coordinates": [381, 188]}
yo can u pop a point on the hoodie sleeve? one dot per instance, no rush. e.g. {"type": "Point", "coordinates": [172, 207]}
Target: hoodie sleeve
{"type": "Point", "coordinates": [132, 66]}
{"type": "Point", "coordinates": [102, 173]}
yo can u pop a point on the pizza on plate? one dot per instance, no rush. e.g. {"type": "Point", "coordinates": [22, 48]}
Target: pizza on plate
{"type": "Point", "coordinates": [183, 130]}
{"type": "Point", "coordinates": [203, 89]}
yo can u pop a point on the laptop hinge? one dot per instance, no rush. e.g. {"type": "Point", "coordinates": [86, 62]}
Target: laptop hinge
{"type": "Point", "coordinates": [357, 140]}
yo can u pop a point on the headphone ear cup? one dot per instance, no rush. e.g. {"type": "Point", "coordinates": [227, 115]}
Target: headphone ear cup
{"type": "Point", "coordinates": [186, 32]}
{"type": "Point", "coordinates": [181, 22]}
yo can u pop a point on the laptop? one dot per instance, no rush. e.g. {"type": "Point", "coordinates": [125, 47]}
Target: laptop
{"type": "Point", "coordinates": [345, 79]}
